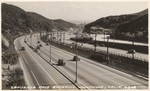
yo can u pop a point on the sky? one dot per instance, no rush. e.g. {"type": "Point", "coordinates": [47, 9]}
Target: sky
{"type": "Point", "coordinates": [81, 11]}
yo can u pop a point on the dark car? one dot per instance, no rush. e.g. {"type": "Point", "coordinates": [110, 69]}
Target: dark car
{"type": "Point", "coordinates": [35, 50]}
{"type": "Point", "coordinates": [25, 41]}
{"type": "Point", "coordinates": [22, 48]}
{"type": "Point", "coordinates": [131, 51]}
{"type": "Point", "coordinates": [47, 43]}
{"type": "Point", "coordinates": [40, 45]}
{"type": "Point", "coordinates": [76, 58]}
{"type": "Point", "coordinates": [61, 62]}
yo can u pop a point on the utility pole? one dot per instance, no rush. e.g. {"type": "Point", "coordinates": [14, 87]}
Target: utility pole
{"type": "Point", "coordinates": [95, 42]}
{"type": "Point", "coordinates": [60, 37]}
{"type": "Point", "coordinates": [104, 36]}
{"type": "Point", "coordinates": [57, 36]}
{"type": "Point", "coordinates": [107, 50]}
{"type": "Point", "coordinates": [64, 37]}
{"type": "Point", "coordinates": [76, 60]}
{"type": "Point", "coordinates": [50, 45]}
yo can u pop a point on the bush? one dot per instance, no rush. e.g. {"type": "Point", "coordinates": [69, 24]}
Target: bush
{"type": "Point", "coordinates": [10, 58]}
{"type": "Point", "coordinates": [15, 78]}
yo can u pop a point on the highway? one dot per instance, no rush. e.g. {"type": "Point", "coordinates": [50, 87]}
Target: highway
{"type": "Point", "coordinates": [39, 71]}
{"type": "Point", "coordinates": [111, 50]}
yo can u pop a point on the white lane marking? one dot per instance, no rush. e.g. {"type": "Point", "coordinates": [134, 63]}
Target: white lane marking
{"type": "Point", "coordinates": [25, 75]}
{"type": "Point", "coordinates": [43, 69]}
{"type": "Point", "coordinates": [35, 78]}
{"type": "Point", "coordinates": [85, 59]}
{"type": "Point", "coordinates": [24, 58]}
{"type": "Point", "coordinates": [65, 71]}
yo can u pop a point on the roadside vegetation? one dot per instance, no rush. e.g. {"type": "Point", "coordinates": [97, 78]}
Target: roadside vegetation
{"type": "Point", "coordinates": [12, 74]}
{"type": "Point", "coordinates": [132, 27]}
{"type": "Point", "coordinates": [17, 22]}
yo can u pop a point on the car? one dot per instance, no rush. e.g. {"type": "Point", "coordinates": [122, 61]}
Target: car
{"type": "Point", "coordinates": [25, 41]}
{"type": "Point", "coordinates": [35, 50]}
{"type": "Point", "coordinates": [61, 62]}
{"type": "Point", "coordinates": [131, 51]}
{"type": "Point", "coordinates": [40, 45]}
{"type": "Point", "coordinates": [47, 43]}
{"type": "Point", "coordinates": [22, 48]}
{"type": "Point", "coordinates": [76, 58]}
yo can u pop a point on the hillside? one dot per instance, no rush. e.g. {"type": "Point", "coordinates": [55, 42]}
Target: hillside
{"type": "Point", "coordinates": [16, 22]}
{"type": "Point", "coordinates": [124, 27]}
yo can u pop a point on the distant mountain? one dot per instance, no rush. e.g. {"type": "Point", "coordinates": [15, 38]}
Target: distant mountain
{"type": "Point", "coordinates": [16, 21]}
{"type": "Point", "coordinates": [126, 27]}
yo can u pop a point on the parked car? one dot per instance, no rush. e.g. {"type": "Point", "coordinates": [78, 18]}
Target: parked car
{"type": "Point", "coordinates": [61, 62]}
{"type": "Point", "coordinates": [76, 58]}
{"type": "Point", "coordinates": [131, 51]}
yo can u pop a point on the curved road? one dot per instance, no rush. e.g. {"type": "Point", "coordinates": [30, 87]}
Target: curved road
{"type": "Point", "coordinates": [91, 75]}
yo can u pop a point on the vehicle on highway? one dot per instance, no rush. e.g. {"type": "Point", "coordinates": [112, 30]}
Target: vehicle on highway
{"type": "Point", "coordinates": [47, 43]}
{"type": "Point", "coordinates": [131, 51]}
{"type": "Point", "coordinates": [61, 62]}
{"type": "Point", "coordinates": [35, 50]}
{"type": "Point", "coordinates": [38, 41]}
{"type": "Point", "coordinates": [25, 41]}
{"type": "Point", "coordinates": [22, 48]}
{"type": "Point", "coordinates": [40, 45]}
{"type": "Point", "coordinates": [76, 58]}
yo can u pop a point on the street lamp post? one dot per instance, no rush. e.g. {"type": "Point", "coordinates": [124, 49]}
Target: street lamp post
{"type": "Point", "coordinates": [104, 36]}
{"type": "Point", "coordinates": [95, 42]}
{"type": "Point", "coordinates": [64, 37]}
{"type": "Point", "coordinates": [107, 50]}
{"type": "Point", "coordinates": [50, 45]}
{"type": "Point", "coordinates": [76, 60]}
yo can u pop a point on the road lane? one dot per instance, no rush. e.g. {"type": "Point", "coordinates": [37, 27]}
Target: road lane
{"type": "Point", "coordinates": [112, 50]}
{"type": "Point", "coordinates": [42, 73]}
{"type": "Point", "coordinates": [103, 75]}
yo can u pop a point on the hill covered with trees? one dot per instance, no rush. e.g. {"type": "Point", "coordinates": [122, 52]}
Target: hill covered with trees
{"type": "Point", "coordinates": [16, 22]}
{"type": "Point", "coordinates": [126, 27]}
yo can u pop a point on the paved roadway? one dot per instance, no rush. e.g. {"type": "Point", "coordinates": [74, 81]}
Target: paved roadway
{"type": "Point", "coordinates": [100, 37]}
{"type": "Point", "coordinates": [112, 50]}
{"type": "Point", "coordinates": [91, 75]}
{"type": "Point", "coordinates": [37, 72]}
